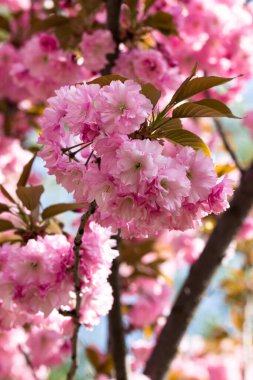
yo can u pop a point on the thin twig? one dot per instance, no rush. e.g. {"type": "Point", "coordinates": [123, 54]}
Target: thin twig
{"type": "Point", "coordinates": [226, 144]}
{"type": "Point", "coordinates": [199, 277]}
{"type": "Point", "coordinates": [76, 314]}
{"type": "Point", "coordinates": [28, 362]}
{"type": "Point", "coordinates": [116, 329]}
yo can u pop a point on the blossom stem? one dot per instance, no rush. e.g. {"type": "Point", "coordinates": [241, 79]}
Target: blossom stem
{"type": "Point", "coordinates": [28, 362]}
{"type": "Point", "coordinates": [227, 145]}
{"type": "Point", "coordinates": [116, 329]}
{"type": "Point", "coordinates": [199, 277]}
{"type": "Point", "coordinates": [76, 314]}
{"type": "Point", "coordinates": [64, 150]}
{"type": "Point", "coordinates": [225, 142]}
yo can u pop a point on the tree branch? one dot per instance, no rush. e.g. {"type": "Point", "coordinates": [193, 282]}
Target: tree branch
{"type": "Point", "coordinates": [28, 362]}
{"type": "Point", "coordinates": [227, 145]}
{"type": "Point", "coordinates": [116, 329]}
{"type": "Point", "coordinates": [76, 311]}
{"type": "Point", "coordinates": [199, 277]}
{"type": "Point", "coordinates": [113, 24]}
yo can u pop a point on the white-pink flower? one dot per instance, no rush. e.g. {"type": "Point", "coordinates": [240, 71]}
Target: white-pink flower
{"type": "Point", "coordinates": [122, 107]}
{"type": "Point", "coordinates": [95, 47]}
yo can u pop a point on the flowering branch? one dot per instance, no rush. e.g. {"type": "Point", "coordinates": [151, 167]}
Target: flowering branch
{"type": "Point", "coordinates": [199, 277]}
{"type": "Point", "coordinates": [76, 312]}
{"type": "Point", "coordinates": [113, 23]}
{"type": "Point", "coordinates": [116, 330]}
{"type": "Point", "coordinates": [227, 145]}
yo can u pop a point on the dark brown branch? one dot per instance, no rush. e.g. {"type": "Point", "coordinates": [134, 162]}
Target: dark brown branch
{"type": "Point", "coordinates": [76, 313]}
{"type": "Point", "coordinates": [227, 145]}
{"type": "Point", "coordinates": [113, 24]}
{"type": "Point", "coordinates": [199, 277]}
{"type": "Point", "coordinates": [116, 329]}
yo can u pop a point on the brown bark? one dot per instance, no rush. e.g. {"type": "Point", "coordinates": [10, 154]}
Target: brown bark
{"type": "Point", "coordinates": [113, 24]}
{"type": "Point", "coordinates": [199, 277]}
{"type": "Point", "coordinates": [116, 330]}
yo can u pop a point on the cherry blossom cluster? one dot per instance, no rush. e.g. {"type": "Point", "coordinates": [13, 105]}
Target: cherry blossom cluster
{"type": "Point", "coordinates": [140, 185]}
{"type": "Point", "coordinates": [148, 66]}
{"type": "Point", "coordinates": [43, 66]}
{"type": "Point", "coordinates": [40, 66]}
{"type": "Point", "coordinates": [216, 34]}
{"type": "Point", "coordinates": [38, 277]}
{"type": "Point", "coordinates": [45, 341]}
{"type": "Point", "coordinates": [147, 299]}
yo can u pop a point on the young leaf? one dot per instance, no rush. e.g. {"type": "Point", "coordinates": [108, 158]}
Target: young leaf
{"type": "Point", "coordinates": [148, 90]}
{"type": "Point", "coordinates": [132, 4]}
{"type": "Point", "coordinates": [6, 194]}
{"type": "Point", "coordinates": [105, 80]}
{"type": "Point", "coordinates": [6, 225]}
{"type": "Point", "coordinates": [181, 88]}
{"type": "Point", "coordinates": [148, 4]}
{"type": "Point", "coordinates": [4, 208]}
{"type": "Point", "coordinates": [194, 86]}
{"type": "Point", "coordinates": [30, 196]}
{"type": "Point", "coordinates": [224, 169]}
{"type": "Point", "coordinates": [26, 172]}
{"type": "Point", "coordinates": [90, 6]}
{"type": "Point", "coordinates": [203, 108]}
{"type": "Point", "coordinates": [185, 138]}
{"type": "Point", "coordinates": [93, 357]}
{"type": "Point", "coordinates": [151, 92]}
{"type": "Point", "coordinates": [161, 21]}
{"type": "Point", "coordinates": [40, 25]}
{"type": "Point", "coordinates": [165, 123]}
{"type": "Point", "coordinates": [59, 208]}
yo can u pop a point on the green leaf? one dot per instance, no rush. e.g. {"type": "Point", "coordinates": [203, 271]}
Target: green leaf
{"type": "Point", "coordinates": [26, 172]}
{"type": "Point", "coordinates": [184, 138]}
{"type": "Point", "coordinates": [6, 194]}
{"type": "Point", "coordinates": [194, 86]}
{"type": "Point", "coordinates": [161, 21]}
{"type": "Point", "coordinates": [6, 225]}
{"type": "Point", "coordinates": [151, 92]}
{"type": "Point", "coordinates": [30, 196]}
{"type": "Point", "coordinates": [148, 90]}
{"type": "Point", "coordinates": [203, 108]}
{"type": "Point", "coordinates": [59, 208]}
{"type": "Point", "coordinates": [4, 208]}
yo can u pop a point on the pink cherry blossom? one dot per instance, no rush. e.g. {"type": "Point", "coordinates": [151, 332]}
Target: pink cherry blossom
{"type": "Point", "coordinates": [122, 108]}
{"type": "Point", "coordinates": [95, 47]}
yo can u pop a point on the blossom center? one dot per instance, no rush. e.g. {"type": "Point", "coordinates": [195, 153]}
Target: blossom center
{"type": "Point", "coordinates": [122, 108]}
